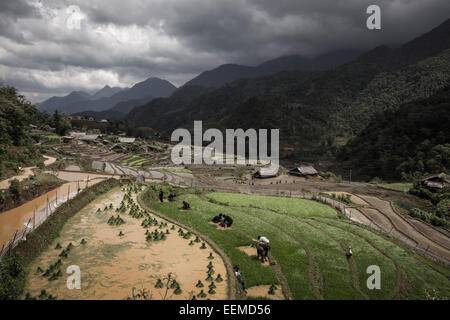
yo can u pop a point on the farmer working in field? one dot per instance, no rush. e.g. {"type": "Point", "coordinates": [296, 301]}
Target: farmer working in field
{"type": "Point", "coordinates": [237, 273]}
{"type": "Point", "coordinates": [217, 218]}
{"type": "Point", "coordinates": [228, 221]}
{"type": "Point", "coordinates": [161, 195]}
{"type": "Point", "coordinates": [264, 242]}
{"type": "Point", "coordinates": [186, 205]}
{"type": "Point", "coordinates": [349, 252]}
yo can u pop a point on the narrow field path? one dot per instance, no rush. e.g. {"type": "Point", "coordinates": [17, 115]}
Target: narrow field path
{"type": "Point", "coordinates": [401, 287]}
{"type": "Point", "coordinates": [351, 261]}
{"type": "Point", "coordinates": [25, 173]}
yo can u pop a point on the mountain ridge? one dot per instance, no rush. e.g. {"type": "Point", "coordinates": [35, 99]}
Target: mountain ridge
{"type": "Point", "coordinates": [78, 101]}
{"type": "Point", "coordinates": [314, 110]}
{"type": "Point", "coordinates": [227, 73]}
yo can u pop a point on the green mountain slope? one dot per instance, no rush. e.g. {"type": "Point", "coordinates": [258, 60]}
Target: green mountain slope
{"type": "Point", "coordinates": [315, 112]}
{"type": "Point", "coordinates": [412, 140]}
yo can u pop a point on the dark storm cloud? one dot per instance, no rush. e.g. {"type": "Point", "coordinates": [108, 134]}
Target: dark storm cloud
{"type": "Point", "coordinates": [10, 11]}
{"type": "Point", "coordinates": [121, 42]}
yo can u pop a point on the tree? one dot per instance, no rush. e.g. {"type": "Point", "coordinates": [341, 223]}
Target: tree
{"type": "Point", "coordinates": [62, 124]}
{"type": "Point", "coordinates": [15, 189]}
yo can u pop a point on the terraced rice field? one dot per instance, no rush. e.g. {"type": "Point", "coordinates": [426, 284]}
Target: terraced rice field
{"type": "Point", "coordinates": [308, 248]}
{"type": "Point", "coordinates": [118, 247]}
{"type": "Point", "coordinates": [135, 161]}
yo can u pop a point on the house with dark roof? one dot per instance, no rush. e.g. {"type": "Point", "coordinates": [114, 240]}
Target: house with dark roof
{"type": "Point", "coordinates": [436, 182]}
{"type": "Point", "coordinates": [304, 171]}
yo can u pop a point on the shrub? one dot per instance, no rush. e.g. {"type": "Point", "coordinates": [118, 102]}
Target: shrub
{"type": "Point", "coordinates": [12, 277]}
{"type": "Point", "coordinates": [443, 208]}
{"type": "Point", "coordinates": [15, 189]}
{"type": "Point", "coordinates": [272, 289]}
{"type": "Point", "coordinates": [159, 284]}
{"type": "Point", "coordinates": [116, 221]}
{"type": "Point", "coordinates": [177, 290]}
{"type": "Point", "coordinates": [202, 294]}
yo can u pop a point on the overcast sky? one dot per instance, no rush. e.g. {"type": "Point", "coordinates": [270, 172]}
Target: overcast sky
{"type": "Point", "coordinates": [51, 47]}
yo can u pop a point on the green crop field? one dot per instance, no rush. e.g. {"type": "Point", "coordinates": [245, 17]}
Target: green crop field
{"type": "Point", "coordinates": [309, 242]}
{"type": "Point", "coordinates": [135, 161]}
{"type": "Point", "coordinates": [398, 186]}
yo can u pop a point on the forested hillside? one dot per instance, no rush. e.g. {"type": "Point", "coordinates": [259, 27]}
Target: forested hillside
{"type": "Point", "coordinates": [411, 141]}
{"type": "Point", "coordinates": [316, 112]}
{"type": "Point", "coordinates": [16, 144]}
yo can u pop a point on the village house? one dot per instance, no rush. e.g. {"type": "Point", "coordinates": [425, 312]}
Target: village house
{"type": "Point", "coordinates": [436, 182]}
{"type": "Point", "coordinates": [304, 171]}
{"type": "Point", "coordinates": [77, 135]}
{"type": "Point", "coordinates": [75, 117]}
{"type": "Point", "coordinates": [127, 140]}
{"type": "Point", "coordinates": [67, 139]}
{"type": "Point", "coordinates": [89, 138]}
{"type": "Point", "coordinates": [266, 172]}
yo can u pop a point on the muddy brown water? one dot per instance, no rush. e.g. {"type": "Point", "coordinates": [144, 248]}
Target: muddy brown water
{"type": "Point", "coordinates": [14, 219]}
{"type": "Point", "coordinates": [111, 265]}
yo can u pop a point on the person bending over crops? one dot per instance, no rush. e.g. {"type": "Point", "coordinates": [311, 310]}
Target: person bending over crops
{"type": "Point", "coordinates": [227, 221]}
{"type": "Point", "coordinates": [263, 243]}
{"type": "Point", "coordinates": [217, 218]}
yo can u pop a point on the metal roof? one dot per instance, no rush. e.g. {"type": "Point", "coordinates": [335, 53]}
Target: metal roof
{"type": "Point", "coordinates": [127, 140]}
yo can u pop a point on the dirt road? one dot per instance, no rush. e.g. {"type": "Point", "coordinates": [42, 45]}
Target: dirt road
{"type": "Point", "coordinates": [25, 173]}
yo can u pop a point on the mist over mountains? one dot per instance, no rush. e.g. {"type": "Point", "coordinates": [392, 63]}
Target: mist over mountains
{"type": "Point", "coordinates": [122, 100]}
